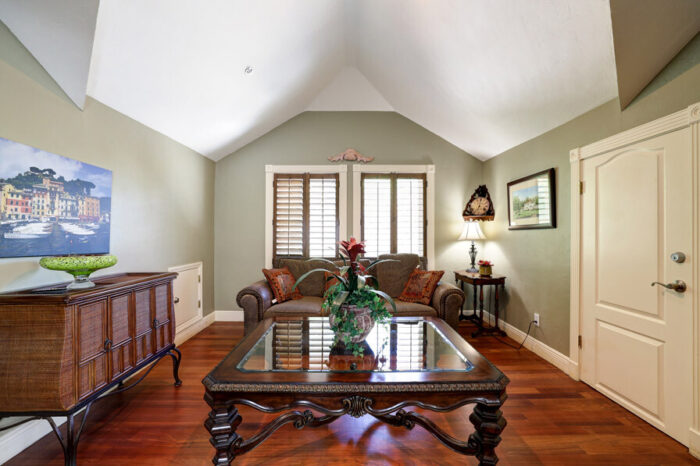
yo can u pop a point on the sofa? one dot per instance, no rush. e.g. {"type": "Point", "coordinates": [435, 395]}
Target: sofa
{"type": "Point", "coordinates": [258, 303]}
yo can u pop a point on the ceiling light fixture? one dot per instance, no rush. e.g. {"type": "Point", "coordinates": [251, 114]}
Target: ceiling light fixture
{"type": "Point", "coordinates": [248, 69]}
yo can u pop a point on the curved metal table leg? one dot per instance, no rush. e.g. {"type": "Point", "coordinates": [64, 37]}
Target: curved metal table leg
{"type": "Point", "coordinates": [177, 356]}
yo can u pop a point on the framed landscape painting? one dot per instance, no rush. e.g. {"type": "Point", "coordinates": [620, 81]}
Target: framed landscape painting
{"type": "Point", "coordinates": [531, 202]}
{"type": "Point", "coordinates": [51, 205]}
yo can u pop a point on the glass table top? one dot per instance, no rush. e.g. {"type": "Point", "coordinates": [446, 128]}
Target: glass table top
{"type": "Point", "coordinates": [401, 345]}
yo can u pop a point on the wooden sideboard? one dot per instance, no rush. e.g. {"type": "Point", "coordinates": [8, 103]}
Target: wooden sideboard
{"type": "Point", "coordinates": [61, 350]}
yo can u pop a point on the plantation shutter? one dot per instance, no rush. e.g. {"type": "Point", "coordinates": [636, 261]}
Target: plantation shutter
{"type": "Point", "coordinates": [289, 215]}
{"type": "Point", "coordinates": [288, 345]}
{"type": "Point", "coordinates": [409, 347]}
{"type": "Point", "coordinates": [305, 215]}
{"type": "Point", "coordinates": [393, 214]}
{"type": "Point", "coordinates": [410, 215]}
{"type": "Point", "coordinates": [323, 216]}
{"type": "Point", "coordinates": [290, 350]}
{"type": "Point", "coordinates": [320, 341]}
{"type": "Point", "coordinates": [376, 211]}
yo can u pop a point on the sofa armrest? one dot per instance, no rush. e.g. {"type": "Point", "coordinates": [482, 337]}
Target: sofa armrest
{"type": "Point", "coordinates": [447, 301]}
{"type": "Point", "coordinates": [254, 300]}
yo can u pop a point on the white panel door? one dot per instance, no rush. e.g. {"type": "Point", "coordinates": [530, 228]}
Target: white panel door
{"type": "Point", "coordinates": [187, 299]}
{"type": "Point", "coordinates": [637, 339]}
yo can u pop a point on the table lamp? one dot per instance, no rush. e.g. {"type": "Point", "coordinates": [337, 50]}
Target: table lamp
{"type": "Point", "coordinates": [472, 231]}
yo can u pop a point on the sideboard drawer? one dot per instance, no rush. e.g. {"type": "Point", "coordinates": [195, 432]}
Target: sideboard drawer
{"type": "Point", "coordinates": [162, 316]}
{"type": "Point", "coordinates": [120, 343]}
{"type": "Point", "coordinates": [143, 334]}
{"type": "Point", "coordinates": [93, 370]}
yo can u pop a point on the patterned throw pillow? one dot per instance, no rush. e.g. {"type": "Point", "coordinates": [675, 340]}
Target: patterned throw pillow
{"type": "Point", "coordinates": [282, 281]}
{"type": "Point", "coordinates": [421, 286]}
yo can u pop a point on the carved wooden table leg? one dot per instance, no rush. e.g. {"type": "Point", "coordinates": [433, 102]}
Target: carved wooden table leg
{"type": "Point", "coordinates": [222, 424]}
{"type": "Point", "coordinates": [497, 328]}
{"type": "Point", "coordinates": [489, 424]}
{"type": "Point", "coordinates": [480, 321]}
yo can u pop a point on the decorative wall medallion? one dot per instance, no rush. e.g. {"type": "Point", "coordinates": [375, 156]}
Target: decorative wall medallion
{"type": "Point", "coordinates": [694, 112]}
{"type": "Point", "coordinates": [350, 155]}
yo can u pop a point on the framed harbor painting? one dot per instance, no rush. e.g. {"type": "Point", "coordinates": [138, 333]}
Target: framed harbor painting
{"type": "Point", "coordinates": [532, 202]}
{"type": "Point", "coordinates": [51, 205]}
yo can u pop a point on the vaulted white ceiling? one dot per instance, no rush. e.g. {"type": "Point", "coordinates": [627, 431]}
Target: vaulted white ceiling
{"type": "Point", "coordinates": [484, 75]}
{"type": "Point", "coordinates": [59, 34]}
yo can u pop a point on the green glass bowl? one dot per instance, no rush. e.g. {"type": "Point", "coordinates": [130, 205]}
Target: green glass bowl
{"type": "Point", "coordinates": [79, 266]}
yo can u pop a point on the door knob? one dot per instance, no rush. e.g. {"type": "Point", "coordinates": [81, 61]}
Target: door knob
{"type": "Point", "coordinates": [678, 285]}
{"type": "Point", "coordinates": [678, 257]}
{"type": "Point", "coordinates": [177, 300]}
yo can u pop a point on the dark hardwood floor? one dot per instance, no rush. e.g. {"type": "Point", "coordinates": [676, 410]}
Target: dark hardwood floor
{"type": "Point", "coordinates": [552, 420]}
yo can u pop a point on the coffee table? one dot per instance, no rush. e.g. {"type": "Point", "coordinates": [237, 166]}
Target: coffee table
{"type": "Point", "coordinates": [290, 365]}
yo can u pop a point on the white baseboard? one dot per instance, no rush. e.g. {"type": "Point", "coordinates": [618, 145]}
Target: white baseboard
{"type": "Point", "coordinates": [14, 441]}
{"type": "Point", "coordinates": [192, 330]}
{"type": "Point", "coordinates": [229, 315]}
{"type": "Point", "coordinates": [694, 443]}
{"type": "Point", "coordinates": [549, 354]}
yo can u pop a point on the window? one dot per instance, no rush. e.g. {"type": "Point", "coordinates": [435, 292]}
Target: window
{"type": "Point", "coordinates": [393, 213]}
{"type": "Point", "coordinates": [305, 217]}
{"type": "Point", "coordinates": [305, 210]}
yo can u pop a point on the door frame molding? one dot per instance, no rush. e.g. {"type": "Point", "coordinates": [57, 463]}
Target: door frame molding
{"type": "Point", "coordinates": [688, 117]}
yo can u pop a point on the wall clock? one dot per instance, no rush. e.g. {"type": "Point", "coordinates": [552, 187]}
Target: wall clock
{"type": "Point", "coordinates": [480, 206]}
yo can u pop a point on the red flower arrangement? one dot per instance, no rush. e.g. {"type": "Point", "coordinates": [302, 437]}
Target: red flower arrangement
{"type": "Point", "coordinates": [353, 294]}
{"type": "Point", "coordinates": [486, 263]}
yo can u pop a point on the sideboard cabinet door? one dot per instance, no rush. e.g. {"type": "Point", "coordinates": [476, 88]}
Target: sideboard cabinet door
{"type": "Point", "coordinates": [143, 327]}
{"type": "Point", "coordinates": [162, 316]}
{"type": "Point", "coordinates": [121, 344]}
{"type": "Point", "coordinates": [93, 371]}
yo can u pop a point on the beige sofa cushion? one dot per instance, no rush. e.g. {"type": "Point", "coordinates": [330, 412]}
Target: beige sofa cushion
{"type": "Point", "coordinates": [393, 276]}
{"type": "Point", "coordinates": [306, 306]}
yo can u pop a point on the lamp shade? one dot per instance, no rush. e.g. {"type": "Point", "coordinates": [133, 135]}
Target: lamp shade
{"type": "Point", "coordinates": [472, 231]}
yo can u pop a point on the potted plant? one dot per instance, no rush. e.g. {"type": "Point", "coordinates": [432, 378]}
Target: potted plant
{"type": "Point", "coordinates": [352, 303]}
{"type": "Point", "coordinates": [485, 268]}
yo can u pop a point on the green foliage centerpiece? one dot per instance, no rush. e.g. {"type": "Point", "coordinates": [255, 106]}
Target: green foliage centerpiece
{"type": "Point", "coordinates": [352, 303]}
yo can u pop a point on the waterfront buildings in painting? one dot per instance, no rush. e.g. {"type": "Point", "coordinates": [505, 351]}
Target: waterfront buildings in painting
{"type": "Point", "coordinates": [47, 201]}
{"type": "Point", "coordinates": [51, 205]}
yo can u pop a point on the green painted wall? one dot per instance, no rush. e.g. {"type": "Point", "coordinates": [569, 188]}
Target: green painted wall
{"type": "Point", "coordinates": [310, 138]}
{"type": "Point", "coordinates": [162, 194]}
{"type": "Point", "coordinates": [536, 262]}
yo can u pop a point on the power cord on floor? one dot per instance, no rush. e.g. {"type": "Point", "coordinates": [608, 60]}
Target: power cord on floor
{"type": "Point", "coordinates": [529, 327]}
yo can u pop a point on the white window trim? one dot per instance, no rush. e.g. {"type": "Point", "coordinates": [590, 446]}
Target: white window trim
{"type": "Point", "coordinates": [270, 170]}
{"type": "Point", "coordinates": [428, 170]}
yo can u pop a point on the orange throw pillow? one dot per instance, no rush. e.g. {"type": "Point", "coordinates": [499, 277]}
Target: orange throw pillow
{"type": "Point", "coordinates": [421, 286]}
{"type": "Point", "coordinates": [282, 281]}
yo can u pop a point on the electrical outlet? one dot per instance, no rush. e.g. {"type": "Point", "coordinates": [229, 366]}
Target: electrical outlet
{"type": "Point", "coordinates": [537, 319]}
